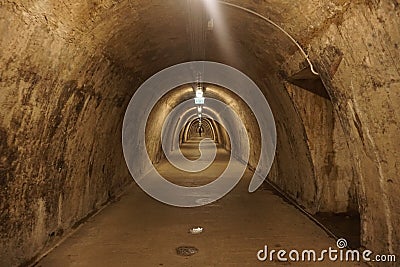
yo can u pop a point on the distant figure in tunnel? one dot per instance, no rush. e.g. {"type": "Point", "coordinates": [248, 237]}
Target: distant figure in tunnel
{"type": "Point", "coordinates": [201, 130]}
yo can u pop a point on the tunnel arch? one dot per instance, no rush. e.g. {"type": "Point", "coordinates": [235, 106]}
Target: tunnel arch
{"type": "Point", "coordinates": [220, 135]}
{"type": "Point", "coordinates": [191, 129]}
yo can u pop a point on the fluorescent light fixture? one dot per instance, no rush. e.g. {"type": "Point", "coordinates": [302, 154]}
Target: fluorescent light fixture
{"type": "Point", "coordinates": [199, 100]}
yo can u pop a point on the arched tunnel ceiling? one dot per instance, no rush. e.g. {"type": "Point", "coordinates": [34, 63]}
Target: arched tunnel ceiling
{"type": "Point", "coordinates": [165, 34]}
{"type": "Point", "coordinates": [150, 31]}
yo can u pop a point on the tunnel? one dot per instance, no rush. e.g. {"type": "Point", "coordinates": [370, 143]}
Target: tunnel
{"type": "Point", "coordinates": [330, 75]}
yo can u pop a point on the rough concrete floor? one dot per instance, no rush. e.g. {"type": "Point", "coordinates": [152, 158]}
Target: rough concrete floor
{"type": "Point", "coordinates": [140, 231]}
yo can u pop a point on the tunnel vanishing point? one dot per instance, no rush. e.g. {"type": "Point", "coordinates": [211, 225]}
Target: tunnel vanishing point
{"type": "Point", "coordinates": [329, 69]}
